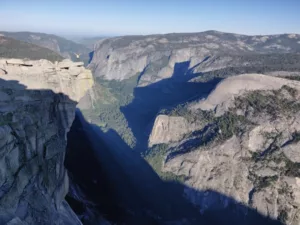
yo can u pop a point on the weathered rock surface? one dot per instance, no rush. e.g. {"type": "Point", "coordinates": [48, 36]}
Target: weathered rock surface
{"type": "Point", "coordinates": [157, 57]}
{"type": "Point", "coordinates": [167, 129]}
{"type": "Point", "coordinates": [247, 153]}
{"type": "Point", "coordinates": [37, 107]}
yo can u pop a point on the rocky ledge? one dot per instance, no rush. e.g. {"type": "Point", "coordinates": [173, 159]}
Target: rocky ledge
{"type": "Point", "coordinates": [37, 107]}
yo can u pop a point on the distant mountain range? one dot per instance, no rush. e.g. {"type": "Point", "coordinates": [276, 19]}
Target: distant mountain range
{"type": "Point", "coordinates": [66, 48]}
{"type": "Point", "coordinates": [11, 48]}
{"type": "Point", "coordinates": [87, 41]}
{"type": "Point", "coordinates": [158, 55]}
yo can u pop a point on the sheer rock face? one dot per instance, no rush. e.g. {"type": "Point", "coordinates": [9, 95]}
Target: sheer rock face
{"type": "Point", "coordinates": [257, 164]}
{"type": "Point", "coordinates": [37, 107]}
{"type": "Point", "coordinates": [168, 129]}
{"type": "Point", "coordinates": [157, 57]}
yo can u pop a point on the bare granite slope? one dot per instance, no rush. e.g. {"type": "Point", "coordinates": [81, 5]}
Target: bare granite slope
{"type": "Point", "coordinates": [247, 147]}
{"type": "Point", "coordinates": [223, 96]}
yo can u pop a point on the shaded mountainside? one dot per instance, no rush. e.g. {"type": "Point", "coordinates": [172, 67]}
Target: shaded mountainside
{"type": "Point", "coordinates": [11, 48]}
{"type": "Point", "coordinates": [116, 184]}
{"type": "Point", "coordinates": [37, 108]}
{"type": "Point", "coordinates": [64, 47]}
{"type": "Point", "coordinates": [245, 146]}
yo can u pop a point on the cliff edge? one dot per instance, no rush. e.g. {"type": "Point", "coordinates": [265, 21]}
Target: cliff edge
{"type": "Point", "coordinates": [37, 107]}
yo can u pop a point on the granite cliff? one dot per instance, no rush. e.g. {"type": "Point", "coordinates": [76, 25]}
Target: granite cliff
{"type": "Point", "coordinates": [37, 107]}
{"type": "Point", "coordinates": [157, 57]}
{"type": "Point", "coordinates": [137, 76]}
{"type": "Point", "coordinates": [245, 147]}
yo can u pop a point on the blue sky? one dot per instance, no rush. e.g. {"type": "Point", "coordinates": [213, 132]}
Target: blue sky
{"type": "Point", "coordinates": [117, 17]}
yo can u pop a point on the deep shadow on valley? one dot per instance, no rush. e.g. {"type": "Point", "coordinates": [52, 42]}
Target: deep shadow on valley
{"type": "Point", "coordinates": [149, 100]}
{"type": "Point", "coordinates": [110, 180]}
{"type": "Point", "coordinates": [139, 195]}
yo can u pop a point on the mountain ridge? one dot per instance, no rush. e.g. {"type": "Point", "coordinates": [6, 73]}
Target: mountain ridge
{"type": "Point", "coordinates": [12, 48]}
{"type": "Point", "coordinates": [154, 56]}
{"type": "Point", "coordinates": [63, 46]}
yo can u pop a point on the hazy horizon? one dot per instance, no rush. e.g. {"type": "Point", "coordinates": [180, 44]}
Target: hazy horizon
{"type": "Point", "coordinates": [93, 18]}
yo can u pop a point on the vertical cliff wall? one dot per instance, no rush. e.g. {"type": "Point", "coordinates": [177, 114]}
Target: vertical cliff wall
{"type": "Point", "coordinates": [37, 108]}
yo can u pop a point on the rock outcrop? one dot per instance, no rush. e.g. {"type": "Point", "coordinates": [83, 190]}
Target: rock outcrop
{"type": "Point", "coordinates": [246, 152]}
{"type": "Point", "coordinates": [168, 129]}
{"type": "Point", "coordinates": [37, 107]}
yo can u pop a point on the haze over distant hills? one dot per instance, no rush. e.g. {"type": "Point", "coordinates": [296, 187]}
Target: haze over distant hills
{"type": "Point", "coordinates": [87, 41]}
{"type": "Point", "coordinates": [11, 48]}
{"type": "Point", "coordinates": [122, 57]}
{"type": "Point", "coordinates": [66, 48]}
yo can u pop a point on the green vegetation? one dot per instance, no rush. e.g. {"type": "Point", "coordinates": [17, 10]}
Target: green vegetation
{"type": "Point", "coordinates": [11, 48]}
{"type": "Point", "coordinates": [121, 90]}
{"type": "Point", "coordinates": [283, 216]}
{"type": "Point", "coordinates": [230, 124]}
{"type": "Point", "coordinates": [271, 102]}
{"type": "Point", "coordinates": [263, 182]}
{"type": "Point", "coordinates": [111, 96]}
{"type": "Point", "coordinates": [191, 117]}
{"type": "Point", "coordinates": [297, 78]}
{"type": "Point", "coordinates": [296, 137]}
{"type": "Point", "coordinates": [255, 156]}
{"type": "Point", "coordinates": [155, 157]}
{"type": "Point", "coordinates": [292, 169]}
{"type": "Point", "coordinates": [293, 92]}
